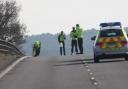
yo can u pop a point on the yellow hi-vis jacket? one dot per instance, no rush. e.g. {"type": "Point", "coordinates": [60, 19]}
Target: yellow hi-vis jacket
{"type": "Point", "coordinates": [37, 44]}
{"type": "Point", "coordinates": [73, 35]}
{"type": "Point", "coordinates": [80, 33]}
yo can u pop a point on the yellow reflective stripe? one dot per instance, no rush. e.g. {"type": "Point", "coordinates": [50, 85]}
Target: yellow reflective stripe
{"type": "Point", "coordinates": [112, 48]}
{"type": "Point", "coordinates": [100, 40]}
{"type": "Point", "coordinates": [104, 46]}
{"type": "Point", "coordinates": [119, 45]}
{"type": "Point", "coordinates": [121, 38]}
{"type": "Point", "coordinates": [107, 39]}
{"type": "Point", "coordinates": [115, 39]}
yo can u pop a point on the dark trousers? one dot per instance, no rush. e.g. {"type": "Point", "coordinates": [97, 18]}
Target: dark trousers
{"type": "Point", "coordinates": [74, 44]}
{"type": "Point", "coordinates": [80, 45]}
{"type": "Point", "coordinates": [62, 49]}
{"type": "Point", "coordinates": [37, 51]}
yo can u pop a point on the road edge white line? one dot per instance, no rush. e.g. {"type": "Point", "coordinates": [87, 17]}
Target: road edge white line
{"type": "Point", "coordinates": [9, 68]}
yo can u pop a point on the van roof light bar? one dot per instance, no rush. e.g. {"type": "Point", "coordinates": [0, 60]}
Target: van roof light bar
{"type": "Point", "coordinates": [110, 24]}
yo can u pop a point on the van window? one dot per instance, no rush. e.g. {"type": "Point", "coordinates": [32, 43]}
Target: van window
{"type": "Point", "coordinates": [111, 33]}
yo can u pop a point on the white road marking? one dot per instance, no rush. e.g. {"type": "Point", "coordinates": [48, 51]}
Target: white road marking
{"type": "Point", "coordinates": [87, 66]}
{"type": "Point", "coordinates": [88, 70]}
{"type": "Point", "coordinates": [91, 73]}
{"type": "Point", "coordinates": [95, 83]}
{"type": "Point", "coordinates": [92, 78]}
{"type": "Point", "coordinates": [4, 72]}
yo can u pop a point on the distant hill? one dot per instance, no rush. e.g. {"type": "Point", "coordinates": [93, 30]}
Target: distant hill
{"type": "Point", "coordinates": [50, 46]}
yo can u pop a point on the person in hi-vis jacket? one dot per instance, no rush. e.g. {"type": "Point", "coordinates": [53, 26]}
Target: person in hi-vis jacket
{"type": "Point", "coordinates": [73, 36]}
{"type": "Point", "coordinates": [61, 40]}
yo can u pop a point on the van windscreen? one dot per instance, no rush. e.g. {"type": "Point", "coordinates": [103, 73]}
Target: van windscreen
{"type": "Point", "coordinates": [111, 33]}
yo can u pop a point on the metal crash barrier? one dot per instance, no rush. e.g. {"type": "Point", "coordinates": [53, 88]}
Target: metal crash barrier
{"type": "Point", "coordinates": [10, 48]}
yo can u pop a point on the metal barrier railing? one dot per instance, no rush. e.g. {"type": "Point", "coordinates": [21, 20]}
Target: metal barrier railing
{"type": "Point", "coordinates": [9, 47]}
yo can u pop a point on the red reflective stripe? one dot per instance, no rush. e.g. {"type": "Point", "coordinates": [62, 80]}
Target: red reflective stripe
{"type": "Point", "coordinates": [104, 40]}
{"type": "Point", "coordinates": [119, 39]}
{"type": "Point", "coordinates": [124, 43]}
{"type": "Point", "coordinates": [99, 44]}
{"type": "Point", "coordinates": [111, 40]}
{"type": "Point", "coordinates": [107, 46]}
{"type": "Point", "coordinates": [116, 46]}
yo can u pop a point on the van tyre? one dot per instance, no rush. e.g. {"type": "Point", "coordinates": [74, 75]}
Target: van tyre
{"type": "Point", "coordinates": [126, 58]}
{"type": "Point", "coordinates": [96, 59]}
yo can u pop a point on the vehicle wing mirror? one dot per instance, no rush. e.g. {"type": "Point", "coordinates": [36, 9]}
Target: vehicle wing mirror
{"type": "Point", "coordinates": [93, 38]}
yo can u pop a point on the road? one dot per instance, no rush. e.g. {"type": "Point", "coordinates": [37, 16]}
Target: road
{"type": "Point", "coordinates": [67, 72]}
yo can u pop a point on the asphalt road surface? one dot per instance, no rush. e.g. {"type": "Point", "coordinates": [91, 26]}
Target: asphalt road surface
{"type": "Point", "coordinates": [67, 72]}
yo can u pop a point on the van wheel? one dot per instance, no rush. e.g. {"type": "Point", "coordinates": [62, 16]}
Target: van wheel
{"type": "Point", "coordinates": [126, 58]}
{"type": "Point", "coordinates": [96, 59]}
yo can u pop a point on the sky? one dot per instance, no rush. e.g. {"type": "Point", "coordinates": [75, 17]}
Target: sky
{"type": "Point", "coordinates": [52, 16]}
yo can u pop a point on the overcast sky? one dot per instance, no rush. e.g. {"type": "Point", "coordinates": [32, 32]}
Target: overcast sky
{"type": "Point", "coordinates": [52, 16]}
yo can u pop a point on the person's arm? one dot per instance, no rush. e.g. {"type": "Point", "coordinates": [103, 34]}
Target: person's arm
{"type": "Point", "coordinates": [75, 35]}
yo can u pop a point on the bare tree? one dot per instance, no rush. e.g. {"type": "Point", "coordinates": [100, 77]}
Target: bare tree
{"type": "Point", "coordinates": [11, 29]}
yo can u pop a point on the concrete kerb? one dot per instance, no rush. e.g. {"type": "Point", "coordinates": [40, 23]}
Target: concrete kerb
{"type": "Point", "coordinates": [9, 68]}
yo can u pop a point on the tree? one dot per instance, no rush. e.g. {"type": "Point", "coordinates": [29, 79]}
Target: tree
{"type": "Point", "coordinates": [11, 29]}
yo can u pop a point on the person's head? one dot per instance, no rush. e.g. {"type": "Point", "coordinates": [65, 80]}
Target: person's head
{"type": "Point", "coordinates": [73, 28]}
{"type": "Point", "coordinates": [77, 25]}
{"type": "Point", "coordinates": [62, 32]}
